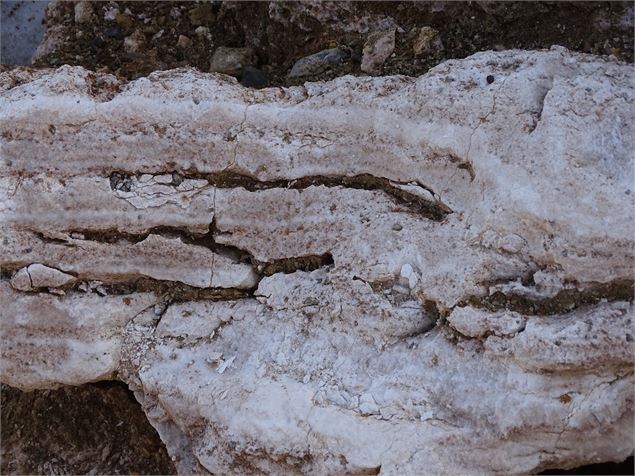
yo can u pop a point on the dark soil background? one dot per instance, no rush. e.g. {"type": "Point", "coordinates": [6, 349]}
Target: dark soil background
{"type": "Point", "coordinates": [100, 428]}
{"type": "Point", "coordinates": [92, 429]}
{"type": "Point", "coordinates": [283, 33]}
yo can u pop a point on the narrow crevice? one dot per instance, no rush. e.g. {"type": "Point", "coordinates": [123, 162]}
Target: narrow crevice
{"type": "Point", "coordinates": [537, 116]}
{"type": "Point", "coordinates": [565, 301]}
{"type": "Point", "coordinates": [171, 291]}
{"type": "Point", "coordinates": [51, 240]}
{"type": "Point", "coordinates": [626, 467]}
{"type": "Point", "coordinates": [112, 236]}
{"type": "Point", "coordinates": [291, 265]}
{"type": "Point", "coordinates": [433, 209]}
{"type": "Point", "coordinates": [207, 240]}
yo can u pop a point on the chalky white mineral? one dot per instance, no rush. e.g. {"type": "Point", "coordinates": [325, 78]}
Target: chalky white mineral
{"type": "Point", "coordinates": [370, 275]}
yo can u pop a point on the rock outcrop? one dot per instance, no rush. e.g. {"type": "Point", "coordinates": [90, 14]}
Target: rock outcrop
{"type": "Point", "coordinates": [400, 275]}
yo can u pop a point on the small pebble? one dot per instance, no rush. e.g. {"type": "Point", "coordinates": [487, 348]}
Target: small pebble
{"type": "Point", "coordinates": [111, 14]}
{"type": "Point", "coordinates": [124, 21]}
{"type": "Point", "coordinates": [201, 14]}
{"type": "Point", "coordinates": [231, 61]}
{"type": "Point", "coordinates": [135, 43]}
{"type": "Point", "coordinates": [428, 42]}
{"type": "Point", "coordinates": [202, 31]}
{"type": "Point", "coordinates": [183, 42]}
{"type": "Point", "coordinates": [318, 63]}
{"type": "Point", "coordinates": [83, 12]}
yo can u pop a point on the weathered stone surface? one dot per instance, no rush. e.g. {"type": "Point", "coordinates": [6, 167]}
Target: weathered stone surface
{"type": "Point", "coordinates": [427, 41]}
{"type": "Point", "coordinates": [155, 256]}
{"type": "Point", "coordinates": [127, 204]}
{"type": "Point", "coordinates": [231, 60]}
{"type": "Point", "coordinates": [409, 275]}
{"type": "Point", "coordinates": [378, 47]}
{"type": "Point", "coordinates": [38, 276]}
{"type": "Point", "coordinates": [83, 12]}
{"type": "Point", "coordinates": [318, 62]}
{"type": "Point", "coordinates": [50, 341]}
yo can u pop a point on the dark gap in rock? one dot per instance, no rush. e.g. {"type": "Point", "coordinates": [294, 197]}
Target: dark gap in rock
{"type": "Point", "coordinates": [622, 289]}
{"type": "Point", "coordinates": [625, 467]}
{"type": "Point", "coordinates": [95, 428]}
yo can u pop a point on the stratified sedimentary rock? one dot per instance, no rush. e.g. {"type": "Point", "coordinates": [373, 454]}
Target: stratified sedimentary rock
{"type": "Point", "coordinates": [400, 275]}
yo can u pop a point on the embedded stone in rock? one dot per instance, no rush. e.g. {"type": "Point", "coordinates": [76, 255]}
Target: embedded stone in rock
{"type": "Point", "coordinates": [474, 322]}
{"type": "Point", "coordinates": [183, 42]}
{"type": "Point", "coordinates": [378, 47]}
{"type": "Point", "coordinates": [135, 42]}
{"type": "Point", "coordinates": [318, 63]}
{"type": "Point", "coordinates": [368, 274]}
{"type": "Point", "coordinates": [83, 12]}
{"type": "Point", "coordinates": [427, 41]}
{"type": "Point", "coordinates": [39, 276]}
{"type": "Point", "coordinates": [232, 61]}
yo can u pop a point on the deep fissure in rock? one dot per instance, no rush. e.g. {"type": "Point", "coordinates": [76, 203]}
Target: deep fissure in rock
{"type": "Point", "coordinates": [435, 210]}
{"type": "Point", "coordinates": [565, 301]}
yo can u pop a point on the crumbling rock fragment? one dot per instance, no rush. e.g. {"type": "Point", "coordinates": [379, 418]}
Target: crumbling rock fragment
{"type": "Point", "coordinates": [378, 47]}
{"type": "Point", "coordinates": [38, 276]}
{"type": "Point", "coordinates": [400, 275]}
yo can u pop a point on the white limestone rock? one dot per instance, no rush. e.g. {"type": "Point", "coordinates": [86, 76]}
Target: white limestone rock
{"type": "Point", "coordinates": [472, 322]}
{"type": "Point", "coordinates": [50, 341]}
{"type": "Point", "coordinates": [400, 275]}
{"type": "Point", "coordinates": [38, 276]}
{"type": "Point", "coordinates": [46, 204]}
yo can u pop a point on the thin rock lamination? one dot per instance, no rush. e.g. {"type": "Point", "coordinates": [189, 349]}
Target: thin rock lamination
{"type": "Point", "coordinates": [373, 275]}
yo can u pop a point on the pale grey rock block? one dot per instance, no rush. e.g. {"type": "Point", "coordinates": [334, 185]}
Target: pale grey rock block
{"type": "Point", "coordinates": [473, 322]}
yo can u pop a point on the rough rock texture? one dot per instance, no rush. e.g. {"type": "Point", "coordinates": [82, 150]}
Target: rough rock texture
{"type": "Point", "coordinates": [412, 276]}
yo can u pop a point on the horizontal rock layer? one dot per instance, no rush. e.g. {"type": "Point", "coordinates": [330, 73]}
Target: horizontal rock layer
{"type": "Point", "coordinates": [405, 275]}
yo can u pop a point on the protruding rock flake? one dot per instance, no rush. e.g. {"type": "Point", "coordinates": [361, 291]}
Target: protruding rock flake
{"type": "Point", "coordinates": [401, 275]}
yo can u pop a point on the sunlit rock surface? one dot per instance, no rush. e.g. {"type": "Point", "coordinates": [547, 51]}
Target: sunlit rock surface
{"type": "Point", "coordinates": [400, 275]}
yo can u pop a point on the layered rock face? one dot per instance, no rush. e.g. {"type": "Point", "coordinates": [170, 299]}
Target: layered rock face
{"type": "Point", "coordinates": [400, 275]}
